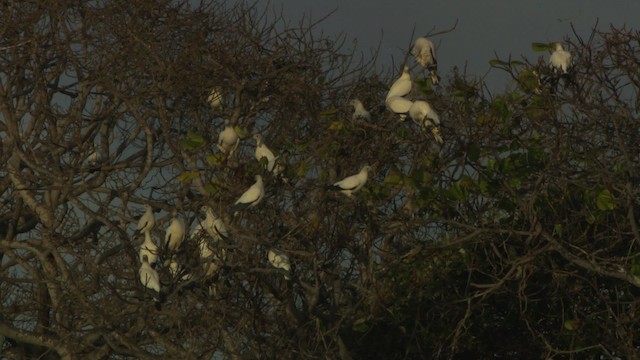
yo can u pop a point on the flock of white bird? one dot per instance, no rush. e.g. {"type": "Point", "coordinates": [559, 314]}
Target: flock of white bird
{"type": "Point", "coordinates": [212, 229]}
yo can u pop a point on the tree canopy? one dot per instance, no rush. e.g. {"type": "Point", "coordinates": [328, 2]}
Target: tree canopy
{"type": "Point", "coordinates": [515, 238]}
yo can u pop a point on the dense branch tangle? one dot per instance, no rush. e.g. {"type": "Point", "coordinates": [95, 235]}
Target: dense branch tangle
{"type": "Point", "coordinates": [522, 225]}
{"type": "Point", "coordinates": [94, 99]}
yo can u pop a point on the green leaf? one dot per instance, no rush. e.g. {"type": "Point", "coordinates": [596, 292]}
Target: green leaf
{"type": "Point", "coordinates": [557, 229]}
{"type": "Point", "coordinates": [457, 191]}
{"type": "Point", "coordinates": [393, 178]}
{"type": "Point", "coordinates": [571, 325]}
{"type": "Point", "coordinates": [635, 269]}
{"type": "Point", "coordinates": [193, 141]}
{"type": "Point", "coordinates": [361, 328]}
{"type": "Point", "coordinates": [336, 125]}
{"type": "Point", "coordinates": [187, 176]}
{"type": "Point", "coordinates": [541, 47]}
{"type": "Point", "coordinates": [402, 132]}
{"type": "Point", "coordinates": [498, 63]}
{"type": "Point", "coordinates": [210, 189]}
{"type": "Point", "coordinates": [215, 159]}
{"type": "Point", "coordinates": [458, 94]}
{"type": "Point", "coordinates": [604, 201]}
{"type": "Point", "coordinates": [242, 133]}
{"type": "Point", "coordinates": [329, 113]}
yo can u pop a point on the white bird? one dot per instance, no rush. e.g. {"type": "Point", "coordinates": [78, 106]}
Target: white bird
{"type": "Point", "coordinates": [212, 259]}
{"type": "Point", "coordinates": [402, 86]}
{"type": "Point", "coordinates": [359, 111]}
{"type": "Point", "coordinates": [424, 115]}
{"type": "Point", "coordinates": [262, 151]}
{"type": "Point", "coordinates": [280, 260]}
{"type": "Point", "coordinates": [149, 277]}
{"type": "Point", "coordinates": [213, 225]}
{"type": "Point", "coordinates": [148, 249]}
{"type": "Point", "coordinates": [147, 220]}
{"type": "Point", "coordinates": [215, 98]}
{"type": "Point", "coordinates": [175, 269]}
{"type": "Point", "coordinates": [399, 105]}
{"type": "Point", "coordinates": [251, 197]}
{"type": "Point", "coordinates": [174, 235]}
{"type": "Point", "coordinates": [560, 58]}
{"type": "Point", "coordinates": [425, 54]}
{"type": "Point", "coordinates": [228, 139]}
{"type": "Point", "coordinates": [353, 183]}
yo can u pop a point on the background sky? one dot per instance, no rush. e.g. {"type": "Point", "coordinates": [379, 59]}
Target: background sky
{"type": "Point", "coordinates": [506, 27]}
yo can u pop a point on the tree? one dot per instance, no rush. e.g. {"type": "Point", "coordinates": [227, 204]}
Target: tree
{"type": "Point", "coordinates": [521, 225]}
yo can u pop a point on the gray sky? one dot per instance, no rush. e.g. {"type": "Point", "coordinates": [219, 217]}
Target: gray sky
{"type": "Point", "coordinates": [504, 26]}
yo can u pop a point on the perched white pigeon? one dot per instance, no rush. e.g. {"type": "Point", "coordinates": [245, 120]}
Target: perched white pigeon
{"type": "Point", "coordinates": [174, 235]}
{"type": "Point", "coordinates": [148, 249]}
{"type": "Point", "coordinates": [280, 260]}
{"type": "Point", "coordinates": [560, 58]}
{"type": "Point", "coordinates": [422, 113]}
{"type": "Point", "coordinates": [147, 220]}
{"type": "Point", "coordinates": [212, 259]}
{"type": "Point", "coordinates": [425, 54]}
{"type": "Point", "coordinates": [175, 269]}
{"type": "Point", "coordinates": [359, 112]}
{"type": "Point", "coordinates": [262, 151]}
{"type": "Point", "coordinates": [402, 86]}
{"type": "Point", "coordinates": [251, 197]}
{"type": "Point", "coordinates": [399, 105]}
{"type": "Point", "coordinates": [215, 98]}
{"type": "Point", "coordinates": [228, 139]}
{"type": "Point", "coordinates": [213, 225]}
{"type": "Point", "coordinates": [149, 277]}
{"type": "Point", "coordinates": [353, 183]}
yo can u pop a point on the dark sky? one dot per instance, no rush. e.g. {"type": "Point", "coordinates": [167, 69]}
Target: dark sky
{"type": "Point", "coordinates": [507, 27]}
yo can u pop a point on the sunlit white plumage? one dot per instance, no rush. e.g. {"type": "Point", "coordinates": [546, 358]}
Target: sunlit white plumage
{"type": "Point", "coordinates": [252, 197]}
{"type": "Point", "coordinates": [560, 58]}
{"type": "Point", "coordinates": [359, 112]}
{"type": "Point", "coordinates": [423, 114]}
{"type": "Point", "coordinates": [425, 54]}
{"type": "Point", "coordinates": [279, 260]}
{"type": "Point", "coordinates": [215, 98]}
{"type": "Point", "coordinates": [148, 249]}
{"type": "Point", "coordinates": [353, 183]}
{"type": "Point", "coordinates": [399, 105]}
{"type": "Point", "coordinates": [147, 221]}
{"type": "Point", "coordinates": [262, 151]}
{"type": "Point", "coordinates": [213, 225]}
{"type": "Point", "coordinates": [228, 139]}
{"type": "Point", "coordinates": [402, 86]}
{"type": "Point", "coordinates": [148, 276]}
{"type": "Point", "coordinates": [174, 235]}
